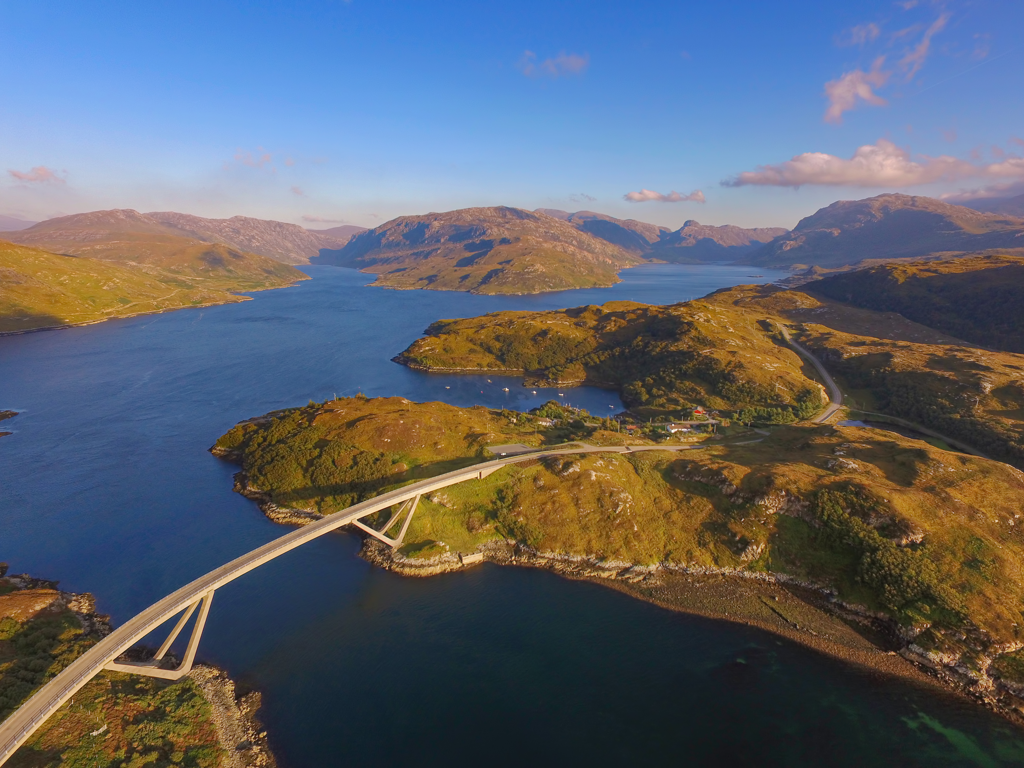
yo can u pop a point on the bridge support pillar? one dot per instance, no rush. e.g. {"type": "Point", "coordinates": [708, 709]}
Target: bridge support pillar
{"type": "Point", "coordinates": [151, 668]}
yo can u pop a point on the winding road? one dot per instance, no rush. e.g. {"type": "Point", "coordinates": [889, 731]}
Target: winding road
{"type": "Point", "coordinates": [834, 393]}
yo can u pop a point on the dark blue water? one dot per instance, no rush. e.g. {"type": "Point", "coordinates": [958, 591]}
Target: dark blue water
{"type": "Point", "coordinates": [107, 484]}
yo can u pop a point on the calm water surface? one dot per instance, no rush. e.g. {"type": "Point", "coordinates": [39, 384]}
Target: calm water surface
{"type": "Point", "coordinates": [107, 485]}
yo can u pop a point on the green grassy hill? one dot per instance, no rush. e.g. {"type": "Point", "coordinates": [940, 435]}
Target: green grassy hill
{"type": "Point", "coordinates": [931, 539]}
{"type": "Point", "coordinates": [661, 359]}
{"type": "Point", "coordinates": [483, 250]}
{"type": "Point", "coordinates": [39, 289]}
{"type": "Point", "coordinates": [980, 298]}
{"type": "Point", "coordinates": [890, 365]}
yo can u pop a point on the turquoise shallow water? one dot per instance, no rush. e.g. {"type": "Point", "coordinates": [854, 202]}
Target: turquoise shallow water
{"type": "Point", "coordinates": [107, 484]}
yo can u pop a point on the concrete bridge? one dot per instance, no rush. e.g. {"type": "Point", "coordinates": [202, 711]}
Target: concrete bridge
{"type": "Point", "coordinates": [198, 595]}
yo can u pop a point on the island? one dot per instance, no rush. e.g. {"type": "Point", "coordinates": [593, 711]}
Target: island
{"type": "Point", "coordinates": [198, 721]}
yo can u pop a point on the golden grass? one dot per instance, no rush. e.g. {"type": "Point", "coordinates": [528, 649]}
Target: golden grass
{"type": "Point", "coordinates": [40, 289]}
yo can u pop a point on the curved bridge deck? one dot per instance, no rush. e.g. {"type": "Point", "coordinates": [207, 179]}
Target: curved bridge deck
{"type": "Point", "coordinates": [20, 725]}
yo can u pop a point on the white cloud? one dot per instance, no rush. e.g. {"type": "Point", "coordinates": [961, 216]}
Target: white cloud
{"type": "Point", "coordinates": [844, 94]}
{"type": "Point", "coordinates": [38, 175]}
{"type": "Point", "coordinates": [882, 164]}
{"type": "Point", "coordinates": [648, 195]}
{"type": "Point", "coordinates": [321, 220]}
{"type": "Point", "coordinates": [1011, 189]}
{"type": "Point", "coordinates": [912, 62]}
{"type": "Point", "coordinates": [558, 66]}
{"type": "Point", "coordinates": [298, 191]}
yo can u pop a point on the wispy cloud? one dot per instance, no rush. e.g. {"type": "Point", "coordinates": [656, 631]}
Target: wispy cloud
{"type": "Point", "coordinates": [38, 175]}
{"type": "Point", "coordinates": [253, 159]}
{"type": "Point", "coordinates": [581, 198]}
{"type": "Point", "coordinates": [915, 58]}
{"type": "Point", "coordinates": [321, 220]}
{"type": "Point", "coordinates": [1011, 189]}
{"type": "Point", "coordinates": [558, 66]}
{"type": "Point", "coordinates": [298, 191]}
{"type": "Point", "coordinates": [882, 164]}
{"type": "Point", "coordinates": [862, 34]}
{"type": "Point", "coordinates": [650, 196]}
{"type": "Point", "coordinates": [853, 87]}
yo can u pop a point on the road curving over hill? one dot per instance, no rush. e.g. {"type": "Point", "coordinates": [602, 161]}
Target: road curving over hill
{"type": "Point", "coordinates": [834, 393]}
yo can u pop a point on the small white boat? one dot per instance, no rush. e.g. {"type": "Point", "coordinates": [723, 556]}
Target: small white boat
{"type": "Point", "coordinates": [505, 388]}
{"type": "Point", "coordinates": [561, 394]}
{"type": "Point", "coordinates": [535, 391]}
{"type": "Point", "coordinates": [447, 387]}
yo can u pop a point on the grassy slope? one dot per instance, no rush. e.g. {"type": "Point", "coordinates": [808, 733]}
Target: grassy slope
{"type": "Point", "coordinates": [517, 268]}
{"type": "Point", "coordinates": [660, 358]}
{"type": "Point", "coordinates": [891, 365]}
{"type": "Point", "coordinates": [715, 507]}
{"type": "Point", "coordinates": [483, 250]}
{"type": "Point", "coordinates": [147, 721]}
{"type": "Point", "coordinates": [40, 289]}
{"type": "Point", "coordinates": [980, 299]}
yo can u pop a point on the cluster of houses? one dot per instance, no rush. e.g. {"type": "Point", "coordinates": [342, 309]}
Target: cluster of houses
{"type": "Point", "coordinates": [700, 417]}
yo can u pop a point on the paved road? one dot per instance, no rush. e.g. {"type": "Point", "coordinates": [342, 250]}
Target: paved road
{"type": "Point", "coordinates": [837, 402]}
{"type": "Point", "coordinates": [834, 394]}
{"type": "Point", "coordinates": [20, 725]}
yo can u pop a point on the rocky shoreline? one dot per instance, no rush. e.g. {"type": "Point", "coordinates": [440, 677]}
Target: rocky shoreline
{"type": "Point", "coordinates": [6, 415]}
{"type": "Point", "coordinates": [239, 732]}
{"type": "Point", "coordinates": [529, 379]}
{"type": "Point", "coordinates": [807, 613]}
{"type": "Point", "coordinates": [824, 623]}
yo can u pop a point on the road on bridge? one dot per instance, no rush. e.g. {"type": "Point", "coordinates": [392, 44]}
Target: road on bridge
{"type": "Point", "coordinates": [23, 722]}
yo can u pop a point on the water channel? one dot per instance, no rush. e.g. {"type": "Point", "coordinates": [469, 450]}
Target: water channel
{"type": "Point", "coordinates": [107, 485]}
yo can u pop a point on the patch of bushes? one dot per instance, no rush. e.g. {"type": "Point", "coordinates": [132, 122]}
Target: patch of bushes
{"type": "Point", "coordinates": [904, 580]}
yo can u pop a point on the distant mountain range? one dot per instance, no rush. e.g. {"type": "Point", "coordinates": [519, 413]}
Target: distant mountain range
{"type": "Point", "coordinates": [483, 250]}
{"type": "Point", "coordinates": [1007, 206]}
{"type": "Point", "coordinates": [130, 234]}
{"type": "Point", "coordinates": [886, 228]}
{"type": "Point", "coordinates": [343, 233]}
{"type": "Point", "coordinates": [12, 223]}
{"type": "Point", "coordinates": [693, 242]}
{"type": "Point", "coordinates": [510, 250]}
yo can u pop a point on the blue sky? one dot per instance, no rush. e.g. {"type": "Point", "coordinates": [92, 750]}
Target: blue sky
{"type": "Point", "coordinates": [327, 112]}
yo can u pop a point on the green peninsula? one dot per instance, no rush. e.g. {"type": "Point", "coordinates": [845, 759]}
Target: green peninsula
{"type": "Point", "coordinates": [41, 289]}
{"type": "Point", "coordinates": [924, 544]}
{"type": "Point", "coordinates": [661, 360]}
{"type": "Point", "coordinates": [497, 250]}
